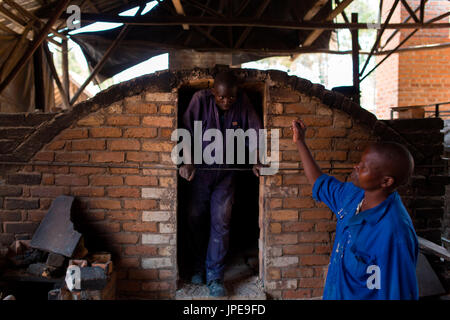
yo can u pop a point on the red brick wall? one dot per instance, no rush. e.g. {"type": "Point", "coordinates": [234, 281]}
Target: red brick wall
{"type": "Point", "coordinates": [418, 77]}
{"type": "Point", "coordinates": [104, 157]}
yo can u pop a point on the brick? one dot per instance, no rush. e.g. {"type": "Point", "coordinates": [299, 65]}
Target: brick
{"type": "Point", "coordinates": [275, 227]}
{"type": "Point", "coordinates": [283, 95]}
{"type": "Point", "coordinates": [294, 179]}
{"type": "Point", "coordinates": [44, 156]}
{"type": "Point", "coordinates": [156, 263]}
{"type": "Point", "coordinates": [314, 260]}
{"type": "Point", "coordinates": [117, 120]}
{"type": "Point", "coordinates": [297, 226]}
{"type": "Point", "coordinates": [143, 274]}
{"type": "Point", "coordinates": [167, 228]}
{"type": "Point", "coordinates": [317, 121]}
{"type": "Point", "coordinates": [298, 203]}
{"type": "Point", "coordinates": [49, 192]}
{"type": "Point", "coordinates": [93, 120]}
{"type": "Point", "coordinates": [87, 170]}
{"type": "Point", "coordinates": [322, 249]}
{"type": "Point", "coordinates": [13, 204]}
{"type": "Point", "coordinates": [141, 181]}
{"type": "Point", "coordinates": [301, 272]}
{"type": "Point", "coordinates": [105, 132]}
{"type": "Point", "coordinates": [160, 96]}
{"type": "Point", "coordinates": [128, 144]}
{"type": "Point", "coordinates": [299, 108]}
{"type": "Point", "coordinates": [6, 215]}
{"type": "Point", "coordinates": [139, 227]}
{"type": "Point", "coordinates": [89, 144]}
{"type": "Point", "coordinates": [166, 274]}
{"type": "Point", "coordinates": [104, 204]}
{"type": "Point", "coordinates": [314, 237]}
{"type": "Point", "coordinates": [140, 133]}
{"type": "Point", "coordinates": [122, 238]}
{"type": "Point", "coordinates": [156, 215]}
{"type": "Point", "coordinates": [157, 193]}
{"type": "Point", "coordinates": [167, 109]}
{"type": "Point", "coordinates": [123, 171]}
{"type": "Point", "coordinates": [326, 155]}
{"type": "Point", "coordinates": [87, 191]}
{"type": "Point", "coordinates": [10, 191]}
{"type": "Point", "coordinates": [284, 261]}
{"type": "Point", "coordinates": [311, 283]}
{"type": "Point", "coordinates": [284, 215]}
{"type": "Point", "coordinates": [283, 121]}
{"type": "Point", "coordinates": [106, 180]}
{"type": "Point", "coordinates": [273, 273]}
{"type": "Point", "coordinates": [19, 227]}
{"type": "Point", "coordinates": [71, 157]}
{"type": "Point", "coordinates": [124, 215]}
{"type": "Point", "coordinates": [331, 132]}
{"type": "Point", "coordinates": [140, 204]}
{"type": "Point", "coordinates": [325, 226]}
{"type": "Point", "coordinates": [282, 284]}
{"type": "Point", "coordinates": [56, 145]}
{"type": "Point", "coordinates": [107, 157]}
{"type": "Point", "coordinates": [124, 192]}
{"type": "Point", "coordinates": [140, 108]}
{"type": "Point", "coordinates": [141, 250]}
{"type": "Point", "coordinates": [298, 249]}
{"type": "Point", "coordinates": [70, 134]}
{"type": "Point", "coordinates": [156, 286]}
{"type": "Point", "coordinates": [157, 146]}
{"type": "Point", "coordinates": [156, 239]}
{"type": "Point", "coordinates": [315, 214]}
{"type": "Point", "coordinates": [287, 238]}
{"type": "Point", "coordinates": [159, 122]}
{"type": "Point", "coordinates": [71, 180]}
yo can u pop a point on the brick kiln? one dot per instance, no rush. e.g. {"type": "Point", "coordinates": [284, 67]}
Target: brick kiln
{"type": "Point", "coordinates": [112, 153]}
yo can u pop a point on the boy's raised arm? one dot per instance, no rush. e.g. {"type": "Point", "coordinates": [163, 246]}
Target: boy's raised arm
{"type": "Point", "coordinates": [312, 170]}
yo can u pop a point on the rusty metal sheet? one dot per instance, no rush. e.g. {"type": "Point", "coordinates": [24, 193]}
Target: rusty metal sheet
{"type": "Point", "coordinates": [56, 232]}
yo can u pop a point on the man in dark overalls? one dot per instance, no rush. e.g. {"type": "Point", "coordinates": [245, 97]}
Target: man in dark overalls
{"type": "Point", "coordinates": [212, 191]}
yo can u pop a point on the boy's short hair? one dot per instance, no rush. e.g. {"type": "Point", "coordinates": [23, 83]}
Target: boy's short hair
{"type": "Point", "coordinates": [398, 161]}
{"type": "Point", "coordinates": [226, 78]}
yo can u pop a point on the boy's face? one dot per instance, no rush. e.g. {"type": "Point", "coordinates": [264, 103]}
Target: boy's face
{"type": "Point", "coordinates": [368, 173]}
{"type": "Point", "coordinates": [225, 96]}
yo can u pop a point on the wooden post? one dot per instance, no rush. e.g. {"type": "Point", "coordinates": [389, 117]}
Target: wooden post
{"type": "Point", "coordinates": [62, 92]}
{"type": "Point", "coordinates": [39, 88]}
{"type": "Point", "coordinates": [355, 57]}
{"type": "Point", "coordinates": [65, 68]}
{"type": "Point", "coordinates": [60, 7]}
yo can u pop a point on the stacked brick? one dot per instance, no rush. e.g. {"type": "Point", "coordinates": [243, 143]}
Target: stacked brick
{"type": "Point", "coordinates": [113, 154]}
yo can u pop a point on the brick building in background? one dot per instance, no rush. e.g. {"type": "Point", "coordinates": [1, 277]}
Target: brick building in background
{"type": "Point", "coordinates": [414, 77]}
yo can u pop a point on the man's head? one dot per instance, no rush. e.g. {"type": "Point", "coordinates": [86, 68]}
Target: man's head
{"type": "Point", "coordinates": [383, 165]}
{"type": "Point", "coordinates": [225, 90]}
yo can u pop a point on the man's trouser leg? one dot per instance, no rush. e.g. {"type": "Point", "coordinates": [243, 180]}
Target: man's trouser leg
{"type": "Point", "coordinates": [221, 205]}
{"type": "Point", "coordinates": [198, 210]}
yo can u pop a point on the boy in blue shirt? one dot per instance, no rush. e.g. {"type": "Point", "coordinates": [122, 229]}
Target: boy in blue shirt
{"type": "Point", "coordinates": [375, 249]}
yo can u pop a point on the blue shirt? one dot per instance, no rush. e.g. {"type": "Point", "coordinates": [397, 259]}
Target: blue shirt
{"type": "Point", "coordinates": [375, 252]}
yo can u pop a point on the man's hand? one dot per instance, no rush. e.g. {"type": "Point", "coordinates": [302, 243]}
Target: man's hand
{"type": "Point", "coordinates": [256, 169]}
{"type": "Point", "coordinates": [187, 171]}
{"type": "Point", "coordinates": [299, 131]}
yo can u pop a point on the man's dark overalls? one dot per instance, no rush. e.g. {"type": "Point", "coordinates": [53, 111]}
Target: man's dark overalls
{"type": "Point", "coordinates": [212, 191]}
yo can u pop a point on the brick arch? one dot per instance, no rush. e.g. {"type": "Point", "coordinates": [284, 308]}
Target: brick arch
{"type": "Point", "coordinates": [49, 125]}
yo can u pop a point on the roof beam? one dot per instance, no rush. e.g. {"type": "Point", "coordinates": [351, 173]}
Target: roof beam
{"type": "Point", "coordinates": [316, 33]}
{"type": "Point", "coordinates": [258, 23]}
{"type": "Point", "coordinates": [179, 9]}
{"type": "Point", "coordinates": [379, 35]}
{"type": "Point", "coordinates": [317, 6]}
{"type": "Point", "coordinates": [247, 30]}
{"type": "Point", "coordinates": [60, 7]}
{"type": "Point", "coordinates": [410, 11]}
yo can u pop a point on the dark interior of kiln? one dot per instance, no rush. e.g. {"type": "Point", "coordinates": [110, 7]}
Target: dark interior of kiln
{"type": "Point", "coordinates": [244, 231]}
